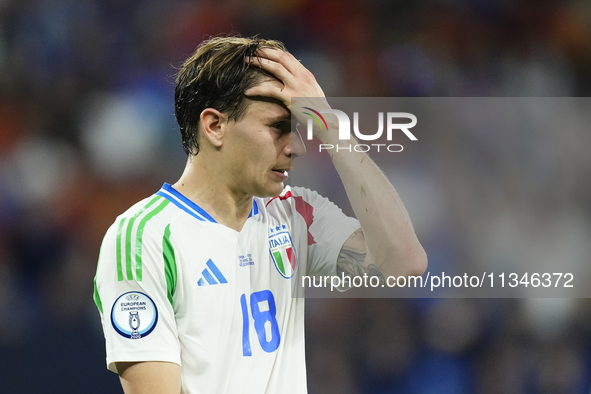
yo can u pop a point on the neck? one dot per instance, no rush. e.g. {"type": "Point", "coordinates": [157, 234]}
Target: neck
{"type": "Point", "coordinates": [209, 189]}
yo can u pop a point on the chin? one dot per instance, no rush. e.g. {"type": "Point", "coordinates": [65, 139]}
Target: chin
{"type": "Point", "coordinates": [271, 191]}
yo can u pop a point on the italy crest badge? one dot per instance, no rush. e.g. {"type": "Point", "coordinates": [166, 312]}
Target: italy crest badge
{"type": "Point", "coordinates": [282, 251]}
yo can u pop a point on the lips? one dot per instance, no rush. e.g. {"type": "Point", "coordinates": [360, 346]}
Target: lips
{"type": "Point", "coordinates": [282, 172]}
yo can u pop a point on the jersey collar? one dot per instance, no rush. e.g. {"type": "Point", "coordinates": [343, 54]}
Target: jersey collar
{"type": "Point", "coordinates": [174, 196]}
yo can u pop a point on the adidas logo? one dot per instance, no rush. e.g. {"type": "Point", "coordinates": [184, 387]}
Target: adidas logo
{"type": "Point", "coordinates": [210, 275]}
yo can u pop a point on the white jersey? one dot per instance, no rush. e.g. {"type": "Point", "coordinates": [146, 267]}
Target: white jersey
{"type": "Point", "coordinates": [173, 285]}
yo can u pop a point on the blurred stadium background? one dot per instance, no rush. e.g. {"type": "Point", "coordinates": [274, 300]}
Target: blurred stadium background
{"type": "Point", "coordinates": [87, 129]}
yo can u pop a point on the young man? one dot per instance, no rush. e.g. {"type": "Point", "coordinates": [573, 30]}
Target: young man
{"type": "Point", "coordinates": [194, 283]}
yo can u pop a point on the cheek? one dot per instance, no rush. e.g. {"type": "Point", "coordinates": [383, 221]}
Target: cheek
{"type": "Point", "coordinates": [254, 151]}
{"type": "Point", "coordinates": [254, 143]}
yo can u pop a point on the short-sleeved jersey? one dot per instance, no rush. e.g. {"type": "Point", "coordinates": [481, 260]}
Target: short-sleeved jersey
{"type": "Point", "coordinates": [173, 285]}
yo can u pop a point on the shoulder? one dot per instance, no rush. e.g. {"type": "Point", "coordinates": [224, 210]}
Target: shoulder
{"type": "Point", "coordinates": [136, 242]}
{"type": "Point", "coordinates": [154, 210]}
{"type": "Point", "coordinates": [143, 224]}
{"type": "Point", "coordinates": [294, 194]}
{"type": "Point", "coordinates": [315, 209]}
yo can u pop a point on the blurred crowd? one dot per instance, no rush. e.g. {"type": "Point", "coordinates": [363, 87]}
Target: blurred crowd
{"type": "Point", "coordinates": [87, 129]}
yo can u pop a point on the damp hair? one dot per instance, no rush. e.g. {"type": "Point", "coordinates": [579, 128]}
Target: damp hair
{"type": "Point", "coordinates": [216, 76]}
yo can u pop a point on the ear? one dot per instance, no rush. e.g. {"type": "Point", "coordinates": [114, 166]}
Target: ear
{"type": "Point", "coordinates": [212, 121]}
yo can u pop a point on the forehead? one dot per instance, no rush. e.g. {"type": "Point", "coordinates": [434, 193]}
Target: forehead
{"type": "Point", "coordinates": [263, 108]}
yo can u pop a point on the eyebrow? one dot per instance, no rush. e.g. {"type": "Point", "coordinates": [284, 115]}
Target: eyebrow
{"type": "Point", "coordinates": [281, 118]}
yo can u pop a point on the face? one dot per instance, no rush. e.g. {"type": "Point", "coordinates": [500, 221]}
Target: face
{"type": "Point", "coordinates": [259, 149]}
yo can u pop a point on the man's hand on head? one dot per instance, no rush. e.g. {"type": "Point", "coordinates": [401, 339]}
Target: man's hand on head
{"type": "Point", "coordinates": [293, 80]}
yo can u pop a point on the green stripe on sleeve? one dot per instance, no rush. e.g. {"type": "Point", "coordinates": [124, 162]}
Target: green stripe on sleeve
{"type": "Point", "coordinates": [128, 250]}
{"type": "Point", "coordinates": [118, 251]}
{"type": "Point", "coordinates": [140, 233]}
{"type": "Point", "coordinates": [128, 237]}
{"type": "Point", "coordinates": [169, 265]}
{"type": "Point", "coordinates": [96, 296]}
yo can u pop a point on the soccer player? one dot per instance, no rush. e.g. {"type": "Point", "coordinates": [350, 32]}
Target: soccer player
{"type": "Point", "coordinates": [193, 283]}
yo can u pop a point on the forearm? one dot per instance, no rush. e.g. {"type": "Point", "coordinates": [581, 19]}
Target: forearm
{"type": "Point", "coordinates": [389, 236]}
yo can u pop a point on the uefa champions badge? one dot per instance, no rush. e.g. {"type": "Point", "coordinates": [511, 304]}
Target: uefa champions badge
{"type": "Point", "coordinates": [282, 251]}
{"type": "Point", "coordinates": [134, 315]}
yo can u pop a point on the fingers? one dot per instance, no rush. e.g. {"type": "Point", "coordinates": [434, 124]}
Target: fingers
{"type": "Point", "coordinates": [286, 59]}
{"type": "Point", "coordinates": [295, 80]}
{"type": "Point", "coordinates": [270, 88]}
{"type": "Point", "coordinates": [275, 68]}
{"type": "Point", "coordinates": [281, 64]}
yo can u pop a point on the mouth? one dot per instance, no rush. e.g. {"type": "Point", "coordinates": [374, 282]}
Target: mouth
{"type": "Point", "coordinates": [281, 173]}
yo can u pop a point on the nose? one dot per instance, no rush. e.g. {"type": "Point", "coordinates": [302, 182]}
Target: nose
{"type": "Point", "coordinates": [296, 146]}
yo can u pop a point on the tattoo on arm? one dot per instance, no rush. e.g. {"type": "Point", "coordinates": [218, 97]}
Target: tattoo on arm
{"type": "Point", "coordinates": [351, 261]}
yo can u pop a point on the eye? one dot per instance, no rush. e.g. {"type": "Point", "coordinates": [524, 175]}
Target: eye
{"type": "Point", "coordinates": [282, 127]}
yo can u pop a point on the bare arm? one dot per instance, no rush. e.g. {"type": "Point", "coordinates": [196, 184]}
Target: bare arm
{"type": "Point", "coordinates": [388, 235]}
{"type": "Point", "coordinates": [388, 242]}
{"type": "Point", "coordinates": [152, 377]}
{"type": "Point", "coordinates": [353, 261]}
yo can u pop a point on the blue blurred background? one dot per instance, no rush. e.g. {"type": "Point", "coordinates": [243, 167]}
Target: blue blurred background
{"type": "Point", "coordinates": [87, 129]}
